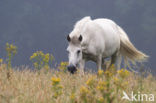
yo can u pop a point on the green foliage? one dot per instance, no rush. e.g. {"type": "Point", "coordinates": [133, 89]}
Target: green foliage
{"type": "Point", "coordinates": [41, 60]}
{"type": "Point", "coordinates": [11, 51]}
{"type": "Point", "coordinates": [63, 66]}
{"type": "Point", "coordinates": [56, 87]}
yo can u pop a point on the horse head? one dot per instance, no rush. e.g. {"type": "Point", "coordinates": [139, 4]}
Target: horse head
{"type": "Point", "coordinates": [74, 52]}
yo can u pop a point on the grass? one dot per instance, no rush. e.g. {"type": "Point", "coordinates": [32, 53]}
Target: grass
{"type": "Point", "coordinates": [26, 86]}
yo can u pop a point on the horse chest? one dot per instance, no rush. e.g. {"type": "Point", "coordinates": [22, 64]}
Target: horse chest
{"type": "Point", "coordinates": [88, 56]}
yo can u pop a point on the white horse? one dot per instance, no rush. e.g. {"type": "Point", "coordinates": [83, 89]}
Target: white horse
{"type": "Point", "coordinates": [99, 39]}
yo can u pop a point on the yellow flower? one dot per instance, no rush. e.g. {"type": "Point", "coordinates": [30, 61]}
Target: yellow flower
{"type": "Point", "coordinates": [84, 90]}
{"type": "Point", "coordinates": [43, 60]}
{"type": "Point", "coordinates": [108, 73]}
{"type": "Point", "coordinates": [40, 53]}
{"type": "Point", "coordinates": [124, 85]}
{"type": "Point", "coordinates": [56, 94]}
{"type": "Point", "coordinates": [72, 96]}
{"type": "Point", "coordinates": [100, 72]}
{"type": "Point", "coordinates": [112, 69]}
{"type": "Point", "coordinates": [33, 56]}
{"type": "Point", "coordinates": [64, 63]}
{"type": "Point", "coordinates": [102, 85]}
{"type": "Point", "coordinates": [100, 100]}
{"type": "Point", "coordinates": [1, 60]}
{"type": "Point", "coordinates": [116, 81]}
{"type": "Point", "coordinates": [11, 46]}
{"type": "Point", "coordinates": [101, 88]}
{"type": "Point", "coordinates": [46, 67]}
{"type": "Point", "coordinates": [11, 49]}
{"type": "Point", "coordinates": [59, 86]}
{"type": "Point", "coordinates": [55, 80]}
{"type": "Point", "coordinates": [112, 66]}
{"type": "Point", "coordinates": [46, 58]}
{"type": "Point", "coordinates": [91, 81]}
{"type": "Point", "coordinates": [35, 64]}
{"type": "Point", "coordinates": [63, 66]}
{"type": "Point", "coordinates": [123, 73]}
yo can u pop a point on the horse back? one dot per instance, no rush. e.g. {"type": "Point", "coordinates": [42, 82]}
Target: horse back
{"type": "Point", "coordinates": [102, 37]}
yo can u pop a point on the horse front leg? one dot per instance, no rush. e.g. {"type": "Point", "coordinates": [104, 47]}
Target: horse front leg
{"type": "Point", "coordinates": [99, 62]}
{"type": "Point", "coordinates": [82, 66]}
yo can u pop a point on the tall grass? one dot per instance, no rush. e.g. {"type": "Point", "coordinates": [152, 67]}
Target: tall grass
{"type": "Point", "coordinates": [26, 86]}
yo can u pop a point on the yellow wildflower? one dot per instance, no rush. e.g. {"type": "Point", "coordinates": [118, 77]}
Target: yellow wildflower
{"type": "Point", "coordinates": [43, 60]}
{"type": "Point", "coordinates": [84, 90]}
{"type": "Point", "coordinates": [59, 86]}
{"type": "Point", "coordinates": [108, 73]}
{"type": "Point", "coordinates": [55, 80]}
{"type": "Point", "coordinates": [91, 81]}
{"type": "Point", "coordinates": [56, 94]}
{"type": "Point", "coordinates": [35, 64]}
{"type": "Point", "coordinates": [63, 66]}
{"type": "Point", "coordinates": [11, 46]}
{"type": "Point", "coordinates": [46, 67]}
{"type": "Point", "coordinates": [56, 87]}
{"type": "Point", "coordinates": [72, 96]}
{"type": "Point", "coordinates": [112, 69]}
{"type": "Point", "coordinates": [100, 72]}
{"type": "Point", "coordinates": [100, 100]}
{"type": "Point", "coordinates": [124, 85]}
{"type": "Point", "coordinates": [102, 85]}
{"type": "Point", "coordinates": [123, 73]}
{"type": "Point", "coordinates": [11, 49]}
{"type": "Point", "coordinates": [1, 60]}
{"type": "Point", "coordinates": [112, 66]}
{"type": "Point", "coordinates": [33, 56]}
{"type": "Point", "coordinates": [41, 53]}
{"type": "Point", "coordinates": [64, 63]}
{"type": "Point", "coordinates": [116, 81]}
{"type": "Point", "coordinates": [46, 58]}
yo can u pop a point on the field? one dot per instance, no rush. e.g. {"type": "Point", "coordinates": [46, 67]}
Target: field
{"type": "Point", "coordinates": [59, 86]}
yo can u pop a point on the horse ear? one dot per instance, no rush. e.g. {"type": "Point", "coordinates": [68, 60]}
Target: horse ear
{"type": "Point", "coordinates": [80, 38]}
{"type": "Point", "coordinates": [68, 38]}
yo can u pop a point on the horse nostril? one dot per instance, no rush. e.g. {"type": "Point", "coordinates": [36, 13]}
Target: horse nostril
{"type": "Point", "coordinates": [72, 69]}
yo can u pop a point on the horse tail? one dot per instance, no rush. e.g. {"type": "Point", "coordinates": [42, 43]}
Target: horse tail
{"type": "Point", "coordinates": [128, 50]}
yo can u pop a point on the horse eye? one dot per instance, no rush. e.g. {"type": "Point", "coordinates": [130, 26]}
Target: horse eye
{"type": "Point", "coordinates": [78, 52]}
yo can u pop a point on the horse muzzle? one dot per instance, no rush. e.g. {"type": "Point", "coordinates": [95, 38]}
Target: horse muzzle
{"type": "Point", "coordinates": [72, 69]}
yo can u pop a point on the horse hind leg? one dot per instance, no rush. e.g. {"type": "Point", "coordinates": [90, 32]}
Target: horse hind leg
{"type": "Point", "coordinates": [104, 65]}
{"type": "Point", "coordinates": [113, 60]}
{"type": "Point", "coordinates": [118, 60]}
{"type": "Point", "coordinates": [116, 57]}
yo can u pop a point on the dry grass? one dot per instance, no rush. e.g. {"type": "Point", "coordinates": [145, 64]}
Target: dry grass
{"type": "Point", "coordinates": [27, 86]}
